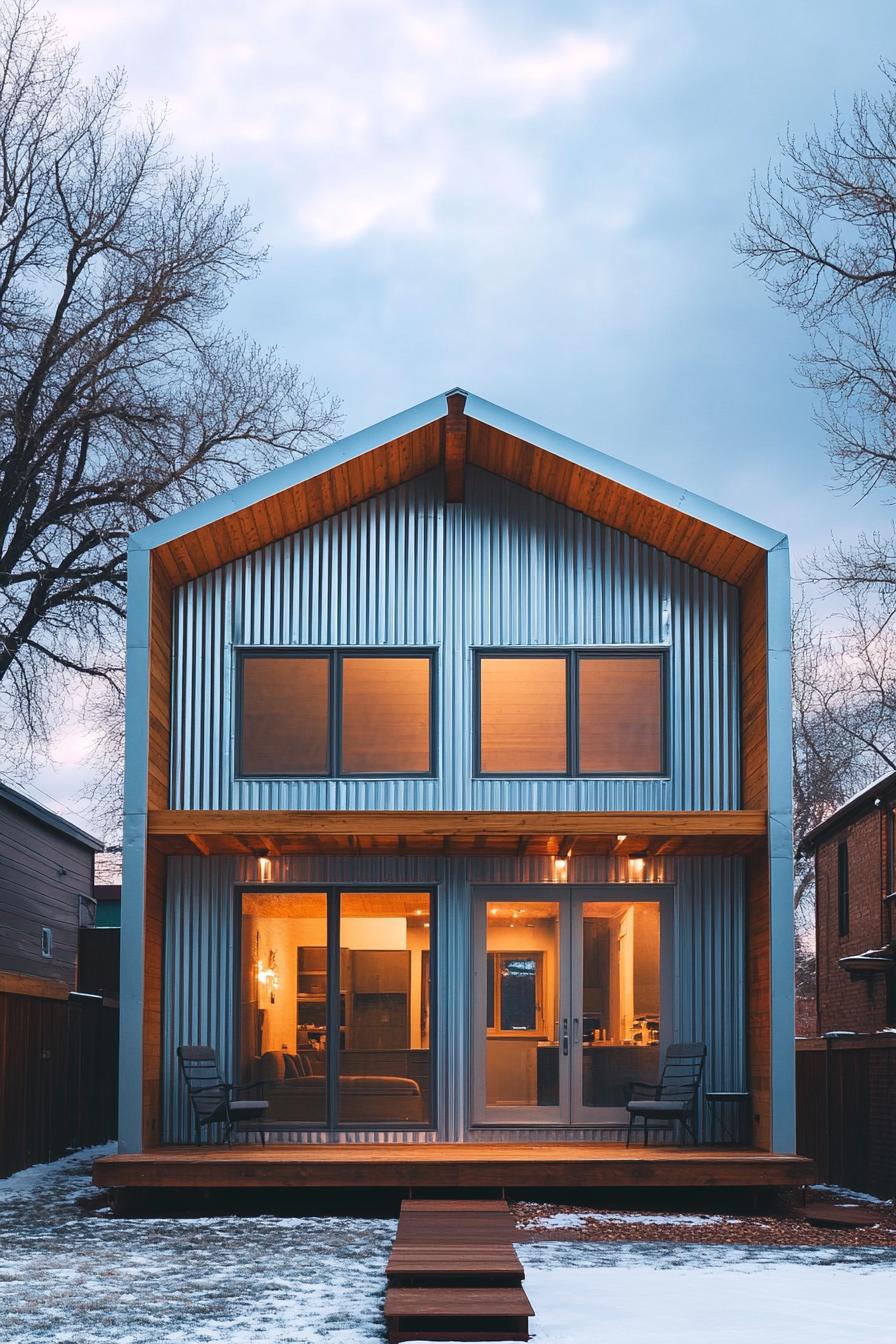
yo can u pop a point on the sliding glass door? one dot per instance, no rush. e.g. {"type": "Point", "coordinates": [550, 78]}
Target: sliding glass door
{"type": "Point", "coordinates": [335, 1020]}
{"type": "Point", "coordinates": [566, 1003]}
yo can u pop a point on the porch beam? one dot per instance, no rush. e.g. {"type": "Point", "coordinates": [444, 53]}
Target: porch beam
{"type": "Point", "coordinates": [742, 825]}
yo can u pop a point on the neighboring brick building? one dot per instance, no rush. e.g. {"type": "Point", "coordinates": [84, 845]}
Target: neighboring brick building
{"type": "Point", "coordinates": [846, 1075]}
{"type": "Point", "coordinates": [854, 916]}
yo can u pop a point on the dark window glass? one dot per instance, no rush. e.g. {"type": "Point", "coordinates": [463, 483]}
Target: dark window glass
{"type": "Point", "coordinates": [523, 715]}
{"type": "Point", "coordinates": [285, 716]}
{"type": "Point", "coordinates": [843, 888]}
{"type": "Point", "coordinates": [518, 997]}
{"type": "Point", "coordinates": [385, 715]}
{"type": "Point", "coordinates": [620, 716]}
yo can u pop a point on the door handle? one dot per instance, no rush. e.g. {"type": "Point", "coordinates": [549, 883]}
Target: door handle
{"type": "Point", "coordinates": [566, 1035]}
{"type": "Point", "coordinates": [575, 1031]}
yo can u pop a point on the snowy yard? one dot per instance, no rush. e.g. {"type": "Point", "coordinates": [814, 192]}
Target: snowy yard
{"type": "Point", "coordinates": [73, 1278]}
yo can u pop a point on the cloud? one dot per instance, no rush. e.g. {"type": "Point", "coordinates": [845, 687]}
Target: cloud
{"type": "Point", "coordinates": [369, 115]}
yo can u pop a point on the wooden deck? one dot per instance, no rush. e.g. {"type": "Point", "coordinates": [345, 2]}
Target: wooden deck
{"type": "Point", "coordinates": [448, 1165]}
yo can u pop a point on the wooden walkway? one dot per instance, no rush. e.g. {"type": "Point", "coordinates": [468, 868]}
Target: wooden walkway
{"type": "Point", "coordinates": [454, 1275]}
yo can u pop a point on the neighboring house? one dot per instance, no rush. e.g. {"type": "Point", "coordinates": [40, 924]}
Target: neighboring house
{"type": "Point", "coordinates": [854, 918]}
{"type": "Point", "coordinates": [457, 788]}
{"type": "Point", "coordinates": [46, 891]}
{"type": "Point", "coordinates": [99, 944]}
{"type": "Point", "coordinates": [58, 1047]}
{"type": "Point", "coordinates": [846, 1076]}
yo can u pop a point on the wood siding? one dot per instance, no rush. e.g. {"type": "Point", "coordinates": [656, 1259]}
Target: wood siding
{"type": "Point", "coordinates": [34, 893]}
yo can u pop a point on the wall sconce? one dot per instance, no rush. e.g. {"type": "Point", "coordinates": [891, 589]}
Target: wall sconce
{"type": "Point", "coordinates": [636, 869]}
{"type": "Point", "coordinates": [268, 979]}
{"type": "Point", "coordinates": [560, 866]}
{"type": "Point", "coordinates": [264, 868]}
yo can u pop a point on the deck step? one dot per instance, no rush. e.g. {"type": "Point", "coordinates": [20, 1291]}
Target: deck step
{"type": "Point", "coordinates": [454, 1274]}
{"type": "Point", "coordinates": [457, 1313]}
{"type": "Point", "coordinates": [420, 1264]}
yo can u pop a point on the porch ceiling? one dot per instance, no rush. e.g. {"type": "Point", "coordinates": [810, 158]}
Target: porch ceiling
{"type": "Point", "coordinates": [628, 834]}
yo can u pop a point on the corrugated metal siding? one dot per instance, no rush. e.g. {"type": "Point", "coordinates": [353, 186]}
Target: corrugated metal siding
{"type": "Point", "coordinates": [508, 567]}
{"type": "Point", "coordinates": [200, 963]}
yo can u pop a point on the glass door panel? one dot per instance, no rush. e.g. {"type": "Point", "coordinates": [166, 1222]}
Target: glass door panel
{"type": "Point", "coordinates": [384, 1056]}
{"type": "Point", "coordinates": [520, 983]}
{"type": "Point", "coordinates": [284, 1026]}
{"type": "Point", "coordinates": [616, 1004]}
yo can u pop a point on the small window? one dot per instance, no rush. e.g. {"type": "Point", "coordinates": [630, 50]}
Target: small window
{"type": "Point", "coordinates": [620, 716]}
{"type": "Point", "coordinates": [335, 712]}
{"type": "Point", "coordinates": [571, 713]}
{"type": "Point", "coordinates": [523, 713]}
{"type": "Point", "coordinates": [514, 991]}
{"type": "Point", "coordinates": [46, 942]}
{"type": "Point", "coordinates": [843, 888]}
{"type": "Point", "coordinates": [385, 715]}
{"type": "Point", "coordinates": [285, 727]}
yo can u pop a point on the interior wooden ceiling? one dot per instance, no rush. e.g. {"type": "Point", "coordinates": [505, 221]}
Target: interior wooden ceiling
{"type": "Point", "coordinates": [698, 543]}
{"type": "Point", "coordinates": [274, 904]}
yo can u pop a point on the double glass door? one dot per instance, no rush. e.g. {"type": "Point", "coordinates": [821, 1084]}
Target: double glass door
{"type": "Point", "coordinates": [567, 1002]}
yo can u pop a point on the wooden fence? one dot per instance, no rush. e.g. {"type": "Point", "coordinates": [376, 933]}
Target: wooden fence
{"type": "Point", "coordinates": [846, 1110]}
{"type": "Point", "coordinates": [58, 1076]}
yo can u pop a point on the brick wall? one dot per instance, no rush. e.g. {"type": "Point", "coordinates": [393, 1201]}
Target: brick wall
{"type": "Point", "coordinates": [845, 1002]}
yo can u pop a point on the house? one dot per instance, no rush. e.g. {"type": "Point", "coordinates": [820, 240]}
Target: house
{"type": "Point", "coordinates": [457, 787]}
{"type": "Point", "coordinates": [855, 938]}
{"type": "Point", "coordinates": [46, 892]}
{"type": "Point", "coordinates": [57, 1047]}
{"type": "Point", "coordinates": [846, 1075]}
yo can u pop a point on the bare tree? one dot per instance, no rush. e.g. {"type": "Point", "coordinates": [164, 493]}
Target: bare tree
{"type": "Point", "coordinates": [123, 397]}
{"type": "Point", "coordinates": [844, 730]}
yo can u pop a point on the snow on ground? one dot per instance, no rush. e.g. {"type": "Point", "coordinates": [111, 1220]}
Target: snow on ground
{"type": "Point", "coordinates": [73, 1278]}
{"type": "Point", "coordinates": [536, 1216]}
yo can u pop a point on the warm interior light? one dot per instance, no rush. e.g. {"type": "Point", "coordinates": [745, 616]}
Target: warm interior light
{"type": "Point", "coordinates": [264, 868]}
{"type": "Point", "coordinates": [560, 867]}
{"type": "Point", "coordinates": [636, 867]}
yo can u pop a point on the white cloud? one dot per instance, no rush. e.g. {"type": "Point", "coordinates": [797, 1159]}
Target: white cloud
{"type": "Point", "coordinates": [368, 115]}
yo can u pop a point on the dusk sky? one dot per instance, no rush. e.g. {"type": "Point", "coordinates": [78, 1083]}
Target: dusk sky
{"type": "Point", "coordinates": [533, 201]}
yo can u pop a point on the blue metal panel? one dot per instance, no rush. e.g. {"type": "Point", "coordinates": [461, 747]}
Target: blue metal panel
{"type": "Point", "coordinates": [508, 567]}
{"type": "Point", "coordinates": [130, 1081]}
{"type": "Point", "coordinates": [780, 853]}
{"type": "Point", "coordinates": [707, 958]}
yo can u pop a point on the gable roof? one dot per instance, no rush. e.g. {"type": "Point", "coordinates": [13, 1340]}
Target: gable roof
{"type": "Point", "coordinates": [333, 478]}
{"type": "Point", "coordinates": [47, 818]}
{"type": "Point", "coordinates": [860, 802]}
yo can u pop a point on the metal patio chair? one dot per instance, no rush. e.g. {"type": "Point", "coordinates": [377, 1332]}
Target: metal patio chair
{"type": "Point", "coordinates": [674, 1098]}
{"type": "Point", "coordinates": [212, 1098]}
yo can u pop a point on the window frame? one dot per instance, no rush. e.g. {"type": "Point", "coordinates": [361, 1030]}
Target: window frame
{"type": "Point", "coordinates": [573, 656]}
{"type": "Point", "coordinates": [843, 888]}
{"type": "Point", "coordinates": [335, 655]}
{"type": "Point", "coordinates": [499, 1031]}
{"type": "Point", "coordinates": [332, 1123]}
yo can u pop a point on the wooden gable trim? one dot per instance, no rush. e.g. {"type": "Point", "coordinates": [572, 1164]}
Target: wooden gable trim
{"type": "Point", "coordinates": [289, 511]}
{"type": "Point", "coordinates": [456, 430]}
{"type": "Point", "coordinates": [453, 441]}
{"type": "Point", "coordinates": [678, 534]}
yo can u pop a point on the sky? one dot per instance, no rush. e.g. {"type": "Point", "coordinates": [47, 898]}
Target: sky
{"type": "Point", "coordinates": [534, 201]}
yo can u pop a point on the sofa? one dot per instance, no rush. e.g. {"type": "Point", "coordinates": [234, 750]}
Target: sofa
{"type": "Point", "coordinates": [295, 1088]}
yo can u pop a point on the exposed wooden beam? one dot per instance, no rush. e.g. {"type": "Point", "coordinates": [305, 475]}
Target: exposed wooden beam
{"type": "Point", "coordinates": [271, 845]}
{"type": "Point", "coordinates": [455, 434]}
{"type": "Point", "coordinates": [198, 843]}
{"type": "Point", "coordinates": [747, 824]}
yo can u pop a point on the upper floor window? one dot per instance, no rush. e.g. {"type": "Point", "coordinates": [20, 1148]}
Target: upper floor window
{"type": "Point", "coordinates": [335, 712]}
{"type": "Point", "coordinates": [570, 713]}
{"type": "Point", "coordinates": [843, 888]}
